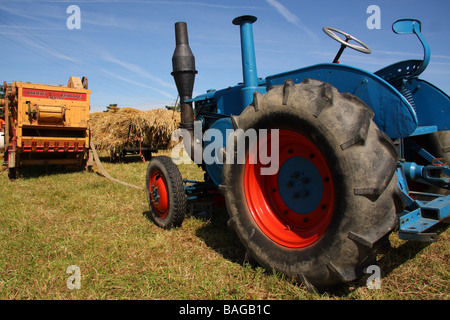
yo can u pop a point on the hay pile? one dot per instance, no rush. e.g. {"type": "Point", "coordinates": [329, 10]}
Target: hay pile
{"type": "Point", "coordinates": [122, 127]}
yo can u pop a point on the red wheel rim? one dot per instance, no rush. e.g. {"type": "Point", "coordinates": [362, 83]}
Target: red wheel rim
{"type": "Point", "coordinates": [291, 209]}
{"type": "Point", "coordinates": [159, 197]}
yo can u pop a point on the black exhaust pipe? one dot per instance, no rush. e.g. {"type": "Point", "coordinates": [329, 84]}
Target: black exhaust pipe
{"type": "Point", "coordinates": [183, 65]}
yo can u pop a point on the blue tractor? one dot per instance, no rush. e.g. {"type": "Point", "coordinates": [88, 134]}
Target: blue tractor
{"type": "Point", "coordinates": [356, 155]}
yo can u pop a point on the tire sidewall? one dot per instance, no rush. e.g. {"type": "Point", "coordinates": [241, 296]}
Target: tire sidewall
{"type": "Point", "coordinates": [162, 163]}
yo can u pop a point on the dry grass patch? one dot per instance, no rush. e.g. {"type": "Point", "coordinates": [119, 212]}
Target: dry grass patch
{"type": "Point", "coordinates": [51, 220]}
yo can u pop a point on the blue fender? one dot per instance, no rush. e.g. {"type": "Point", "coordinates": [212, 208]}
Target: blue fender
{"type": "Point", "coordinates": [431, 104]}
{"type": "Point", "coordinates": [393, 113]}
{"type": "Point", "coordinates": [221, 128]}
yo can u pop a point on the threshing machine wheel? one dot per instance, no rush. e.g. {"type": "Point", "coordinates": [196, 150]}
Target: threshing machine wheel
{"type": "Point", "coordinates": [12, 173]}
{"type": "Point", "coordinates": [165, 192]}
{"type": "Point", "coordinates": [322, 217]}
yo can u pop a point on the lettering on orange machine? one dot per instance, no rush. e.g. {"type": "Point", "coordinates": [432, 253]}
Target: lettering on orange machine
{"type": "Point", "coordinates": [53, 94]}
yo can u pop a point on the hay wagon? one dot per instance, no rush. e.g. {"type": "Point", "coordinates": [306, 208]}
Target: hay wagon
{"type": "Point", "coordinates": [122, 131]}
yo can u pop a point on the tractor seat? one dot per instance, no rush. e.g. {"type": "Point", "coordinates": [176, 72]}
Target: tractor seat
{"type": "Point", "coordinates": [399, 70]}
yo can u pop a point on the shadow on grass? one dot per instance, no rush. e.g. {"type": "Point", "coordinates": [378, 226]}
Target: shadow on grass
{"type": "Point", "coordinates": [220, 238]}
{"type": "Point", "coordinates": [148, 215]}
{"type": "Point", "coordinates": [32, 172]}
{"type": "Point", "coordinates": [217, 236]}
{"type": "Point", "coordinates": [124, 159]}
{"type": "Point", "coordinates": [391, 259]}
{"type": "Point", "coordinates": [36, 171]}
{"type": "Point", "coordinates": [395, 257]}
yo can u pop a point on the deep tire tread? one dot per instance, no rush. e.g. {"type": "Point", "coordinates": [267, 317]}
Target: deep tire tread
{"type": "Point", "coordinates": [288, 88]}
{"type": "Point", "coordinates": [325, 98]}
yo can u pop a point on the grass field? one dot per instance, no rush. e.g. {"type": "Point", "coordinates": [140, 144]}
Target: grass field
{"type": "Point", "coordinates": [51, 219]}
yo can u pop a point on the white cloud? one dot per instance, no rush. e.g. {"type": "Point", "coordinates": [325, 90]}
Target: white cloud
{"type": "Point", "coordinates": [291, 17]}
{"type": "Point", "coordinates": [136, 83]}
{"type": "Point", "coordinates": [136, 69]}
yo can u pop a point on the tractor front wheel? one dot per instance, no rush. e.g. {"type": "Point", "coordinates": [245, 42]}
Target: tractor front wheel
{"type": "Point", "coordinates": [321, 217]}
{"type": "Point", "coordinates": [165, 192]}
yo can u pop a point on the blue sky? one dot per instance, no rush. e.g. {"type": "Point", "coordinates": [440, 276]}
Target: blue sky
{"type": "Point", "coordinates": [125, 47]}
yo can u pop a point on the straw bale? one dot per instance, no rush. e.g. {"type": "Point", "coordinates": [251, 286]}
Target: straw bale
{"type": "Point", "coordinates": [113, 131]}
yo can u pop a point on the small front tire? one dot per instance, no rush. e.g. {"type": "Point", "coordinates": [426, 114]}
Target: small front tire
{"type": "Point", "coordinates": [165, 193]}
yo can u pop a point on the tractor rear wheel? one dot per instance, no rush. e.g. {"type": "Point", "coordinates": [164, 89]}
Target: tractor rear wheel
{"type": "Point", "coordinates": [165, 192]}
{"type": "Point", "coordinates": [323, 215]}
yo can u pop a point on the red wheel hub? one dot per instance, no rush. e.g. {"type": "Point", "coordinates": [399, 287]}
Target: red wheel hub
{"type": "Point", "coordinates": [159, 194]}
{"type": "Point", "coordinates": [294, 206]}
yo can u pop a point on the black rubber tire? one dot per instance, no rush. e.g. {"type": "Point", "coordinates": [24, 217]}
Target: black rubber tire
{"type": "Point", "coordinates": [443, 145]}
{"type": "Point", "coordinates": [175, 192]}
{"type": "Point", "coordinates": [362, 160]}
{"type": "Point", "coordinates": [12, 173]}
{"type": "Point", "coordinates": [147, 155]}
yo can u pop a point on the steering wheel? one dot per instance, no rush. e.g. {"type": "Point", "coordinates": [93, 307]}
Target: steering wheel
{"type": "Point", "coordinates": [364, 48]}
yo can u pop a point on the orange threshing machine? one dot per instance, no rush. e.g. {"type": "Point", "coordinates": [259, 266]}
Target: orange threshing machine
{"type": "Point", "coordinates": [46, 124]}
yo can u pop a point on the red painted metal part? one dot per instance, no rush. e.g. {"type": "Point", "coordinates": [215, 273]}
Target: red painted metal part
{"type": "Point", "coordinates": [159, 194]}
{"type": "Point", "coordinates": [46, 146]}
{"type": "Point", "coordinates": [271, 213]}
{"type": "Point", "coordinates": [54, 95]}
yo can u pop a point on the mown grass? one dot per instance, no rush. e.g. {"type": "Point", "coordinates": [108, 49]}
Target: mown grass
{"type": "Point", "coordinates": [52, 219]}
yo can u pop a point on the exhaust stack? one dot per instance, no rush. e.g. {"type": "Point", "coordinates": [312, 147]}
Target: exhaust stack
{"type": "Point", "coordinates": [183, 65]}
